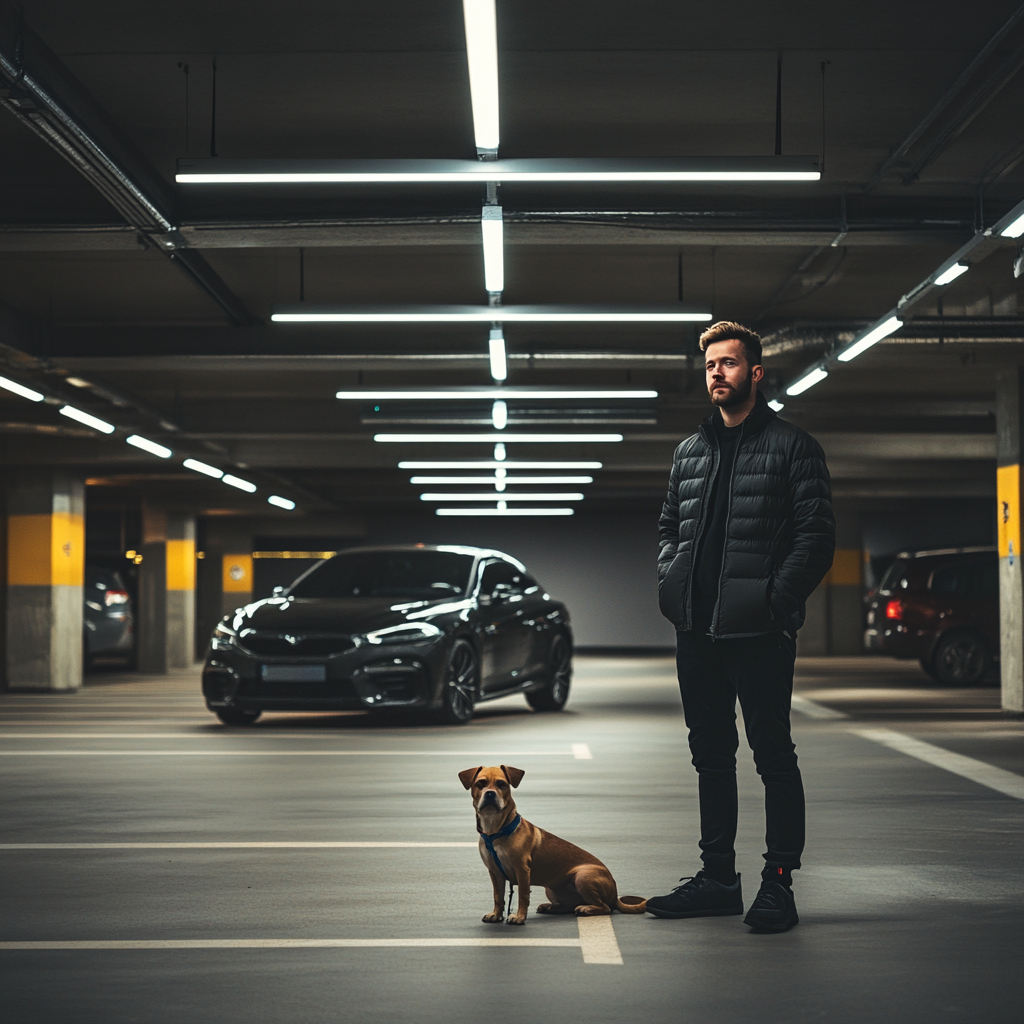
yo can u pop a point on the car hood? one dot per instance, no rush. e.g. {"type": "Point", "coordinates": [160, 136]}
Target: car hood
{"type": "Point", "coordinates": [333, 615]}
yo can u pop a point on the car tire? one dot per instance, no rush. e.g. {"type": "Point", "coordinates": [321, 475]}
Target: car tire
{"type": "Point", "coordinates": [961, 658]}
{"type": "Point", "coordinates": [552, 696]}
{"type": "Point", "coordinates": [237, 716]}
{"type": "Point", "coordinates": [459, 684]}
{"type": "Point", "coordinates": [929, 668]}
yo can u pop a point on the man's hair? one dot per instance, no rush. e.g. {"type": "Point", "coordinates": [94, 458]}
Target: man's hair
{"type": "Point", "coordinates": [726, 330]}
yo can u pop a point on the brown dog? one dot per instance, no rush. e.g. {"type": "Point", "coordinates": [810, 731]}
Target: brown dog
{"type": "Point", "coordinates": [522, 854]}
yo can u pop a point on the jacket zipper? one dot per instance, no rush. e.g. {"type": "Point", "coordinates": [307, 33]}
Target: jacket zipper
{"type": "Point", "coordinates": [725, 540]}
{"type": "Point", "coordinates": [716, 454]}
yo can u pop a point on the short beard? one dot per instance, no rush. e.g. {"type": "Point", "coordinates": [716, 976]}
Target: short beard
{"type": "Point", "coordinates": [734, 396]}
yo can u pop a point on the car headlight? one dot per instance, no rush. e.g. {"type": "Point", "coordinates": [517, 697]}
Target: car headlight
{"type": "Point", "coordinates": [406, 633]}
{"type": "Point", "coordinates": [224, 637]}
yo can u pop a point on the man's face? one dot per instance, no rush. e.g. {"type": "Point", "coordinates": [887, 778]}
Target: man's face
{"type": "Point", "coordinates": [730, 377]}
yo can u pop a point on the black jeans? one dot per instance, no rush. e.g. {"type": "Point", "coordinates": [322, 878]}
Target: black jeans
{"type": "Point", "coordinates": [758, 670]}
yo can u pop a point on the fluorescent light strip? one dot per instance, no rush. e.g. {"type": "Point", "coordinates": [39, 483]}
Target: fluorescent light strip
{"type": "Point", "coordinates": [1014, 229]}
{"type": "Point", "coordinates": [816, 375]}
{"type": "Point", "coordinates": [491, 464]}
{"type": "Point", "coordinates": [482, 56]}
{"type": "Point", "coordinates": [242, 485]}
{"type": "Point", "coordinates": [951, 274]}
{"type": "Point", "coordinates": [494, 257]}
{"type": "Point", "coordinates": [776, 405]}
{"type": "Point", "coordinates": [504, 512]}
{"type": "Point", "coordinates": [499, 415]}
{"type": "Point", "coordinates": [503, 438]}
{"type": "Point", "coordinates": [873, 336]}
{"type": "Point", "coordinates": [488, 314]}
{"type": "Point", "coordinates": [532, 480]}
{"type": "Point", "coordinates": [496, 347]}
{"type": "Point", "coordinates": [149, 446]}
{"type": "Point", "coordinates": [493, 496]}
{"type": "Point", "coordinates": [90, 421]}
{"type": "Point", "coordinates": [202, 467]}
{"type": "Point", "coordinates": [19, 389]}
{"type": "Point", "coordinates": [219, 171]}
{"type": "Point", "coordinates": [489, 394]}
{"type": "Point", "coordinates": [280, 502]}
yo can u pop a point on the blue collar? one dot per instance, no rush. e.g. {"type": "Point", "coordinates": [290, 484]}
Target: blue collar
{"type": "Point", "coordinates": [501, 834]}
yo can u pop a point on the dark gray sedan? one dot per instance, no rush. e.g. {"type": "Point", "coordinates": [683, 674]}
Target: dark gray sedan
{"type": "Point", "coordinates": [434, 630]}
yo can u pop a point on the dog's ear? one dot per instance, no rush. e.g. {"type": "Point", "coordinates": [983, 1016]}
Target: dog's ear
{"type": "Point", "coordinates": [466, 777]}
{"type": "Point", "coordinates": [514, 775]}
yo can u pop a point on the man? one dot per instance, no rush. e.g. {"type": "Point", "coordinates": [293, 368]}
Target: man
{"type": "Point", "coordinates": [747, 533]}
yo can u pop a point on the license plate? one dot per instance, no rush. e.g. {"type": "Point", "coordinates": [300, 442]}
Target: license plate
{"type": "Point", "coordinates": [294, 673]}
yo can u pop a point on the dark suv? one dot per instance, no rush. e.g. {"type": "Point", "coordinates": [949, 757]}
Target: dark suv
{"type": "Point", "coordinates": [941, 607]}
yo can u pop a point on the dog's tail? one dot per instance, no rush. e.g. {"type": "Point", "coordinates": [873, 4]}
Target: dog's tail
{"type": "Point", "coordinates": [631, 905]}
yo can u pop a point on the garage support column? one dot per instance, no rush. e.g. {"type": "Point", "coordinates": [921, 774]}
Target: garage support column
{"type": "Point", "coordinates": [1009, 431]}
{"type": "Point", "coordinates": [181, 589]}
{"type": "Point", "coordinates": [45, 575]}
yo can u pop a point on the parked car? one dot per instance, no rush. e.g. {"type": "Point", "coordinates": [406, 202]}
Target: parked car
{"type": "Point", "coordinates": [435, 630]}
{"type": "Point", "coordinates": [108, 622]}
{"type": "Point", "coordinates": [941, 607]}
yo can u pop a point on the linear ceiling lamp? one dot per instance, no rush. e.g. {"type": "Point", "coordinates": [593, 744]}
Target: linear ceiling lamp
{"type": "Point", "coordinates": [482, 56]}
{"type": "Point", "coordinates": [1014, 229]}
{"type": "Point", "coordinates": [152, 447]}
{"type": "Point", "coordinates": [285, 503]}
{"type": "Point", "coordinates": [242, 485]}
{"type": "Point", "coordinates": [874, 334]}
{"type": "Point", "coordinates": [489, 464]}
{"type": "Point", "coordinates": [808, 380]}
{"type": "Point", "coordinates": [218, 171]}
{"type": "Point", "coordinates": [88, 419]}
{"type": "Point", "coordinates": [489, 394]}
{"type": "Point", "coordinates": [589, 314]}
{"type": "Point", "coordinates": [950, 274]}
{"type": "Point", "coordinates": [496, 354]}
{"type": "Point", "coordinates": [505, 512]}
{"type": "Point", "coordinates": [19, 389]}
{"type": "Point", "coordinates": [504, 437]}
{"type": "Point", "coordinates": [201, 467]}
{"type": "Point", "coordinates": [427, 481]}
{"type": "Point", "coordinates": [490, 496]}
{"type": "Point", "coordinates": [492, 229]}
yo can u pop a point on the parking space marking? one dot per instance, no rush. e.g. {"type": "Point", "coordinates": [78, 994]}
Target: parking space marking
{"type": "Point", "coordinates": [812, 709]}
{"type": "Point", "coordinates": [284, 753]}
{"type": "Point", "coordinates": [286, 944]}
{"type": "Point", "coordinates": [582, 752]}
{"type": "Point", "coordinates": [1002, 781]}
{"type": "Point", "coordinates": [597, 940]}
{"type": "Point", "coordinates": [230, 846]}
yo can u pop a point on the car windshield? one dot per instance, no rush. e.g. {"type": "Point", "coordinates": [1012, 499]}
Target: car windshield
{"type": "Point", "coordinates": [401, 574]}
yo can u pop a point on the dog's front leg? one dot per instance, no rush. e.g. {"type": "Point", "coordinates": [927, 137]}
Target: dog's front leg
{"type": "Point", "coordinates": [523, 882]}
{"type": "Point", "coordinates": [498, 885]}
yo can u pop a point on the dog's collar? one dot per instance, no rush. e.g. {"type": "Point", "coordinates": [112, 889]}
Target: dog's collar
{"type": "Point", "coordinates": [500, 834]}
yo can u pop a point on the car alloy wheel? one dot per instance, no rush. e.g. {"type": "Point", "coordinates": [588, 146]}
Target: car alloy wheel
{"type": "Point", "coordinates": [961, 659]}
{"type": "Point", "coordinates": [555, 692]}
{"type": "Point", "coordinates": [459, 689]}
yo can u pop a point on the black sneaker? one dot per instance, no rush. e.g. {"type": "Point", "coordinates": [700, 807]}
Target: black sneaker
{"type": "Point", "coordinates": [773, 909]}
{"type": "Point", "coordinates": [699, 896]}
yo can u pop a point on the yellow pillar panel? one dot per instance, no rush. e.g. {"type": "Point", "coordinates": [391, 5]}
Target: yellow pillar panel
{"type": "Point", "coordinates": [46, 550]}
{"type": "Point", "coordinates": [1008, 512]}
{"type": "Point", "coordinates": [846, 568]}
{"type": "Point", "coordinates": [237, 578]}
{"type": "Point", "coordinates": [181, 565]}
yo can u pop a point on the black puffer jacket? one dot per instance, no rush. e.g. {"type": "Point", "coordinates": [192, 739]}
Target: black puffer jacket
{"type": "Point", "coordinates": [781, 534]}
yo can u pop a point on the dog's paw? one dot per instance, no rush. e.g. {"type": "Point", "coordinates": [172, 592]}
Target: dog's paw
{"type": "Point", "coordinates": [546, 908]}
{"type": "Point", "coordinates": [517, 919]}
{"type": "Point", "coordinates": [492, 918]}
{"type": "Point", "coordinates": [592, 911]}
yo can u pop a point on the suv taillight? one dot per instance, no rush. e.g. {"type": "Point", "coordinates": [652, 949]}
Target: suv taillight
{"type": "Point", "coordinates": [894, 610]}
{"type": "Point", "coordinates": [115, 597]}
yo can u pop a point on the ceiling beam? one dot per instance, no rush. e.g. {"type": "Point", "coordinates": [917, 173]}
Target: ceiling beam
{"type": "Point", "coordinates": [39, 90]}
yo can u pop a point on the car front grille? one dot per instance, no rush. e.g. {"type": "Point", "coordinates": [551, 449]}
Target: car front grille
{"type": "Point", "coordinates": [290, 645]}
{"type": "Point", "coordinates": [332, 691]}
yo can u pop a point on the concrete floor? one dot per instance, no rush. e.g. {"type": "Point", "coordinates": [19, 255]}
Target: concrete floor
{"type": "Point", "coordinates": [910, 900]}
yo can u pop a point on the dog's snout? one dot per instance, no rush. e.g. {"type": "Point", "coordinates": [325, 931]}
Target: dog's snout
{"type": "Point", "coordinates": [490, 796]}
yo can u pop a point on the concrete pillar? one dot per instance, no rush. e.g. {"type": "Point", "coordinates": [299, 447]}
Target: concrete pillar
{"type": "Point", "coordinates": [236, 580]}
{"type": "Point", "coordinates": [45, 575]}
{"type": "Point", "coordinates": [167, 590]}
{"type": "Point", "coordinates": [1009, 428]}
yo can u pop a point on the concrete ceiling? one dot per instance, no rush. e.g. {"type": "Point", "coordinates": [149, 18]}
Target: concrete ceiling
{"type": "Point", "coordinates": [89, 295]}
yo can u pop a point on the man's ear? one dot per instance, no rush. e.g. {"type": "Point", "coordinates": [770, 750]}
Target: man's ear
{"type": "Point", "coordinates": [514, 775]}
{"type": "Point", "coordinates": [466, 777]}
{"type": "Point", "coordinates": [757, 373]}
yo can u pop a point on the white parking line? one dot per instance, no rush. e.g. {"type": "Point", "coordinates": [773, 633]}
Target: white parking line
{"type": "Point", "coordinates": [284, 753]}
{"type": "Point", "coordinates": [281, 943]}
{"type": "Point", "coordinates": [228, 846]}
{"type": "Point", "coordinates": [597, 939]}
{"type": "Point", "coordinates": [1002, 781]}
{"type": "Point", "coordinates": [812, 709]}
